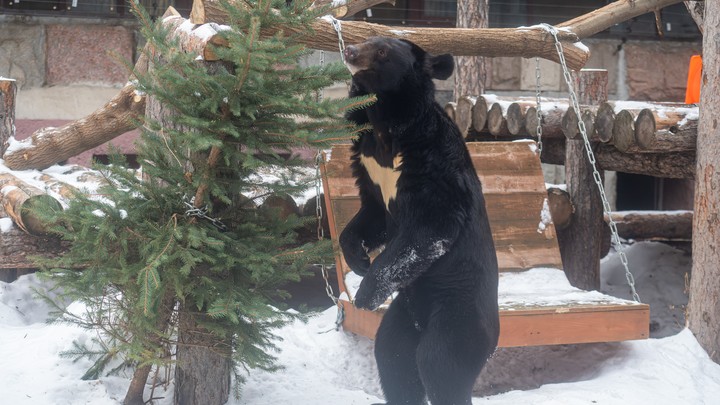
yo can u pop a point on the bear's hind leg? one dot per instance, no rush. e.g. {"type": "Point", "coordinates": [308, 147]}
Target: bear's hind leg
{"type": "Point", "coordinates": [453, 350]}
{"type": "Point", "coordinates": [396, 345]}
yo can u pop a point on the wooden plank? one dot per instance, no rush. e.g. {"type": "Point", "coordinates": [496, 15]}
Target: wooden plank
{"type": "Point", "coordinates": [575, 323]}
{"type": "Point", "coordinates": [610, 324]}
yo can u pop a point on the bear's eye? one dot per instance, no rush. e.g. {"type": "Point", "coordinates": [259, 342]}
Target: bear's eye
{"type": "Point", "coordinates": [381, 53]}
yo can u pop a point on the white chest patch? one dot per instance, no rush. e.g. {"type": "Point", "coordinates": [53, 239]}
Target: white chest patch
{"type": "Point", "coordinates": [385, 177]}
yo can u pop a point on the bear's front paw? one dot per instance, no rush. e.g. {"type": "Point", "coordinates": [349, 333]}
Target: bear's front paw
{"type": "Point", "coordinates": [359, 264]}
{"type": "Point", "coordinates": [369, 296]}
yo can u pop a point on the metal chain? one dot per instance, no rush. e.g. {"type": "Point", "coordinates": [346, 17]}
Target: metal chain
{"type": "Point", "coordinates": [338, 28]}
{"type": "Point", "coordinates": [318, 189]}
{"type": "Point", "coordinates": [538, 109]}
{"type": "Point", "coordinates": [201, 213]}
{"type": "Point", "coordinates": [591, 157]}
{"type": "Point", "coordinates": [321, 234]}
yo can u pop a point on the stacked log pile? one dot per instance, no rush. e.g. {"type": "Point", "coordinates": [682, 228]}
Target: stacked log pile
{"type": "Point", "coordinates": [656, 139]}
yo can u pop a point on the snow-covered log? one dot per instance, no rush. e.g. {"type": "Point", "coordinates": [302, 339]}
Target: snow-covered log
{"type": "Point", "coordinates": [654, 225]}
{"type": "Point", "coordinates": [18, 198]}
{"type": "Point", "coordinates": [524, 41]}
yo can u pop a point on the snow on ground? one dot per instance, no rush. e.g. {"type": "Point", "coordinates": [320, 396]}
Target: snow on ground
{"type": "Point", "coordinates": [323, 366]}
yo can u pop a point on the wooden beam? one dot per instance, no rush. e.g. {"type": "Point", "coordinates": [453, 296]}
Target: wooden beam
{"type": "Point", "coordinates": [48, 146]}
{"type": "Point", "coordinates": [525, 42]}
{"type": "Point", "coordinates": [616, 12]}
{"type": "Point", "coordinates": [654, 225]}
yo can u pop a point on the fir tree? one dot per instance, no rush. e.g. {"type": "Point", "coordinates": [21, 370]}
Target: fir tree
{"type": "Point", "coordinates": [178, 258]}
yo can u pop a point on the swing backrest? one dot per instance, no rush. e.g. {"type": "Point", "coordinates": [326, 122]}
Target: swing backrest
{"type": "Point", "coordinates": [515, 196]}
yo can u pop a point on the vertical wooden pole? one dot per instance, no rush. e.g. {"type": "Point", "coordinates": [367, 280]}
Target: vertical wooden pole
{"type": "Point", "coordinates": [704, 305]}
{"type": "Point", "coordinates": [8, 92]}
{"type": "Point", "coordinates": [580, 241]}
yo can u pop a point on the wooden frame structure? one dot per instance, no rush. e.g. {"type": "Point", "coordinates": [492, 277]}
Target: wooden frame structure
{"type": "Point", "coordinates": [515, 195]}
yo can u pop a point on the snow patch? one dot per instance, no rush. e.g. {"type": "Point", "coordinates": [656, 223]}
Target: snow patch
{"type": "Point", "coordinates": [545, 217]}
{"type": "Point", "coordinates": [6, 224]}
{"type": "Point", "coordinates": [401, 33]}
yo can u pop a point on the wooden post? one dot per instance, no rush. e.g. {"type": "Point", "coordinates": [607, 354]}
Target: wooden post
{"type": "Point", "coordinates": [703, 308]}
{"type": "Point", "coordinates": [8, 91]}
{"type": "Point", "coordinates": [580, 245]}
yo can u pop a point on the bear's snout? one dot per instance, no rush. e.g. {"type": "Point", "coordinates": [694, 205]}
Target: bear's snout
{"type": "Point", "coordinates": [351, 53]}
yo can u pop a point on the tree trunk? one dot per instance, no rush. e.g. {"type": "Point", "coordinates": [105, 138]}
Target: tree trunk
{"type": "Point", "coordinates": [470, 71]}
{"type": "Point", "coordinates": [203, 369]}
{"type": "Point", "coordinates": [8, 92]}
{"type": "Point", "coordinates": [704, 306]}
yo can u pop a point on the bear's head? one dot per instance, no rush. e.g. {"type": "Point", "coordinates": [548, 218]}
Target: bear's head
{"type": "Point", "coordinates": [383, 64]}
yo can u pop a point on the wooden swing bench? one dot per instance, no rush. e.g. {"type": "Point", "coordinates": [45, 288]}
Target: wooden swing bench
{"type": "Point", "coordinates": [537, 304]}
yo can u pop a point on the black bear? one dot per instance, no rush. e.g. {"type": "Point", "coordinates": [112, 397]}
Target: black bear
{"type": "Point", "coordinates": [422, 201]}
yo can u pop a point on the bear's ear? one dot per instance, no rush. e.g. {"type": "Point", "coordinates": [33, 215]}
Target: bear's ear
{"type": "Point", "coordinates": [441, 66]}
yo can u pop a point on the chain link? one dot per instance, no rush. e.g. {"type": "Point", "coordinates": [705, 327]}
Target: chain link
{"type": "Point", "coordinates": [591, 157]}
{"type": "Point", "coordinates": [318, 189]}
{"type": "Point", "coordinates": [338, 28]}
{"type": "Point", "coordinates": [201, 213]}
{"type": "Point", "coordinates": [538, 109]}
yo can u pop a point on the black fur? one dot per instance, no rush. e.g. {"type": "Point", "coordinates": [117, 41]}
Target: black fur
{"type": "Point", "coordinates": [439, 254]}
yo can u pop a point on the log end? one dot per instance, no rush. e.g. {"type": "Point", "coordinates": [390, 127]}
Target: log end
{"type": "Point", "coordinates": [604, 120]}
{"type": "Point", "coordinates": [624, 131]}
{"type": "Point", "coordinates": [645, 129]}
{"type": "Point", "coordinates": [479, 114]}
{"type": "Point", "coordinates": [495, 120]}
{"type": "Point", "coordinates": [569, 124]}
{"type": "Point", "coordinates": [515, 119]}
{"type": "Point", "coordinates": [561, 207]}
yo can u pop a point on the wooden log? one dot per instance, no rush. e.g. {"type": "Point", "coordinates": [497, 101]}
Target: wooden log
{"type": "Point", "coordinates": [479, 114]}
{"type": "Point", "coordinates": [526, 41]}
{"type": "Point", "coordinates": [596, 21]}
{"type": "Point", "coordinates": [677, 135]}
{"type": "Point", "coordinates": [569, 123]}
{"type": "Point", "coordinates": [450, 109]}
{"type": "Point", "coordinates": [339, 9]}
{"type": "Point", "coordinates": [281, 206]}
{"type": "Point", "coordinates": [552, 112]}
{"type": "Point", "coordinates": [516, 113]}
{"type": "Point", "coordinates": [20, 199]}
{"type": "Point", "coordinates": [604, 121]}
{"type": "Point", "coordinates": [679, 165]}
{"type": "Point", "coordinates": [8, 93]}
{"type": "Point", "coordinates": [16, 248]}
{"type": "Point", "coordinates": [463, 114]}
{"type": "Point", "coordinates": [496, 122]}
{"type": "Point", "coordinates": [654, 225]}
{"type": "Point", "coordinates": [579, 241]}
{"type": "Point", "coordinates": [561, 207]}
{"type": "Point", "coordinates": [624, 132]}
{"type": "Point", "coordinates": [49, 146]}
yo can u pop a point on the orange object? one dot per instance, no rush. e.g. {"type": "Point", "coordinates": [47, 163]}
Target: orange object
{"type": "Point", "coordinates": [692, 94]}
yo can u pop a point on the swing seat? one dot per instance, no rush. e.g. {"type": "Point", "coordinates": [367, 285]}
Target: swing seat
{"type": "Point", "coordinates": [537, 304]}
